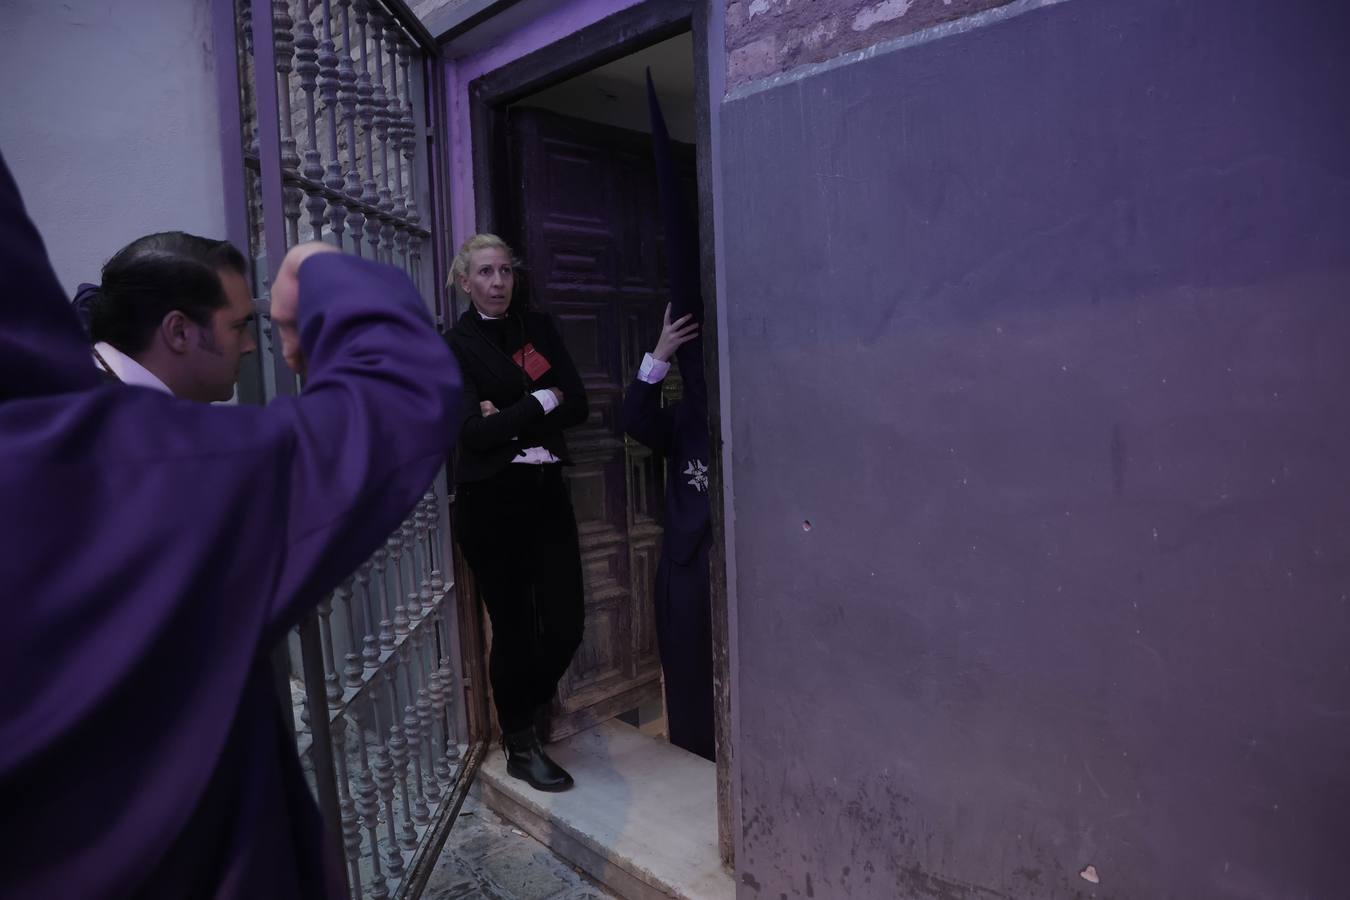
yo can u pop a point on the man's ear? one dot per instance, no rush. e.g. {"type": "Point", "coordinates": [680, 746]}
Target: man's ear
{"type": "Point", "coordinates": [173, 331]}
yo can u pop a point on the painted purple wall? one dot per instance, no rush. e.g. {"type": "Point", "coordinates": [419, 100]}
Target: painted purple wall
{"type": "Point", "coordinates": [1044, 327]}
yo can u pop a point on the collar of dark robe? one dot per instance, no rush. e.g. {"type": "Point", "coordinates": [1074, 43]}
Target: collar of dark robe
{"type": "Point", "coordinates": [498, 331]}
{"type": "Point", "coordinates": [492, 341]}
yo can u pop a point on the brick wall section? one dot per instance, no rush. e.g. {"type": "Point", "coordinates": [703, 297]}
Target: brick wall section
{"type": "Point", "coordinates": [765, 37]}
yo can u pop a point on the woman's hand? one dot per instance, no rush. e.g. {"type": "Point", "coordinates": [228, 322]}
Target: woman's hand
{"type": "Point", "coordinates": [674, 334]}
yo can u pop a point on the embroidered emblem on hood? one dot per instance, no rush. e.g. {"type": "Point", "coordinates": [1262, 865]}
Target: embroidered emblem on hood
{"type": "Point", "coordinates": [699, 471]}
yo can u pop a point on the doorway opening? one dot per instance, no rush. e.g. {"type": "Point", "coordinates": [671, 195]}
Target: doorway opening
{"type": "Point", "coordinates": [582, 212]}
{"type": "Point", "coordinates": [564, 171]}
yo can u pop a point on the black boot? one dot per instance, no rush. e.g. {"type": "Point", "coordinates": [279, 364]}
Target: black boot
{"type": "Point", "coordinates": [526, 760]}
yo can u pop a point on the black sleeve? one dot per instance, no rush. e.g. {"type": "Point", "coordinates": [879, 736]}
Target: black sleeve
{"type": "Point", "coordinates": [482, 433]}
{"type": "Point", "coordinates": [372, 426]}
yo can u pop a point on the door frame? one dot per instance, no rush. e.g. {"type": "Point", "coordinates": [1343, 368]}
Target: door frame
{"type": "Point", "coordinates": [620, 34]}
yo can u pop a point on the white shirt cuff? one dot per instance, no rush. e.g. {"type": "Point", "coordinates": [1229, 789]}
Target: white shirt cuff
{"type": "Point", "coordinates": [547, 399]}
{"type": "Point", "coordinates": [652, 369]}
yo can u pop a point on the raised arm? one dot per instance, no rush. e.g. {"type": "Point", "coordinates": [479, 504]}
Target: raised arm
{"type": "Point", "coordinates": [375, 421]}
{"type": "Point", "coordinates": [644, 419]}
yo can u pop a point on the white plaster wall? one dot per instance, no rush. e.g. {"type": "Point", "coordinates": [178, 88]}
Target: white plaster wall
{"type": "Point", "coordinates": [109, 123]}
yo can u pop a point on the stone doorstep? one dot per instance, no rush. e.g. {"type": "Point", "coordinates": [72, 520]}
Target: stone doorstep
{"type": "Point", "coordinates": [641, 820]}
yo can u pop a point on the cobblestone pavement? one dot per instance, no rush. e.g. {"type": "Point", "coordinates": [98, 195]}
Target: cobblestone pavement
{"type": "Point", "coordinates": [487, 857]}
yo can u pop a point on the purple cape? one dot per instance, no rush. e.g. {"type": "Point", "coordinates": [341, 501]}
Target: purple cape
{"type": "Point", "coordinates": [154, 551]}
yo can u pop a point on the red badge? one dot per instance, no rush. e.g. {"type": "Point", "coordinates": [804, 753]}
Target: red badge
{"type": "Point", "coordinates": [534, 363]}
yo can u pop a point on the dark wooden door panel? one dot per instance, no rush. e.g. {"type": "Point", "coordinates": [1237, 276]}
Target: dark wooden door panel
{"type": "Point", "coordinates": [645, 552]}
{"type": "Point", "coordinates": [590, 237]}
{"type": "Point", "coordinates": [589, 323]}
{"type": "Point", "coordinates": [570, 259]}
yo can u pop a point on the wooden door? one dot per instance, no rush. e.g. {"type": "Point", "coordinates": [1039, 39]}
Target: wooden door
{"type": "Point", "coordinates": [587, 226]}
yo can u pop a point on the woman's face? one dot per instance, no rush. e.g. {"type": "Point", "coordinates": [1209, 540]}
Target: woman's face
{"type": "Point", "coordinates": [489, 281]}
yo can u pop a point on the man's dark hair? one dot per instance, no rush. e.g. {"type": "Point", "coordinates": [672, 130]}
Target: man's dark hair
{"type": "Point", "coordinates": [155, 275]}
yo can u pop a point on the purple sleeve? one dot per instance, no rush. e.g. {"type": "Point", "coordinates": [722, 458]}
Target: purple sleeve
{"type": "Point", "coordinates": [374, 423]}
{"type": "Point", "coordinates": [645, 420]}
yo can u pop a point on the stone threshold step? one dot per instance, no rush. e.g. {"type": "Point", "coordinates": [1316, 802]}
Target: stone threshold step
{"type": "Point", "coordinates": [641, 820]}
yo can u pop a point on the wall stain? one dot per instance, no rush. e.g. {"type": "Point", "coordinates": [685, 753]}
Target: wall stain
{"type": "Point", "coordinates": [1118, 461]}
{"type": "Point", "coordinates": [877, 851]}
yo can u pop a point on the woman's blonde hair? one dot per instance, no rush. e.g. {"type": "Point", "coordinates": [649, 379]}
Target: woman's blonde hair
{"type": "Point", "coordinates": [460, 267]}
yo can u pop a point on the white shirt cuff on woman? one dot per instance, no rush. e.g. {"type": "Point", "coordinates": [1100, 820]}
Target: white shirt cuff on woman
{"type": "Point", "coordinates": [652, 369]}
{"type": "Point", "coordinates": [547, 399]}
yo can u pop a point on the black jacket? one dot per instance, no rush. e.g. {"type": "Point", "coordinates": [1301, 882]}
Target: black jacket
{"type": "Point", "coordinates": [484, 349]}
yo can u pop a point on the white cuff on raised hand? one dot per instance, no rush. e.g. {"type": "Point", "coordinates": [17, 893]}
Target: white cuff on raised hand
{"type": "Point", "coordinates": [652, 369]}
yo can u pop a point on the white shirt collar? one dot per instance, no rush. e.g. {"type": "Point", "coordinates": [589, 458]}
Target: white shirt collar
{"type": "Point", "coordinates": [488, 318]}
{"type": "Point", "coordinates": [127, 370]}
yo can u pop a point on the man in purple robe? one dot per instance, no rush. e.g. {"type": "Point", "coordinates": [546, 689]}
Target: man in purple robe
{"type": "Point", "coordinates": [155, 550]}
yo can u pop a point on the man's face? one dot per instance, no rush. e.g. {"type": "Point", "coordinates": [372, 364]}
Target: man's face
{"type": "Point", "coordinates": [490, 281]}
{"type": "Point", "coordinates": [220, 346]}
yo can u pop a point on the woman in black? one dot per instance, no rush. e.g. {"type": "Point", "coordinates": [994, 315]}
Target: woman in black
{"type": "Point", "coordinates": [514, 519]}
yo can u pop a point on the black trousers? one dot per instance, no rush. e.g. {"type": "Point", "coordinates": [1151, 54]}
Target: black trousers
{"type": "Point", "coordinates": [519, 536]}
{"type": "Point", "coordinates": [684, 639]}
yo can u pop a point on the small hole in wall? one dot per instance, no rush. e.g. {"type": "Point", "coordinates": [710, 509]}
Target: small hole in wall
{"type": "Point", "coordinates": [1089, 875]}
{"type": "Point", "coordinates": [806, 525]}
